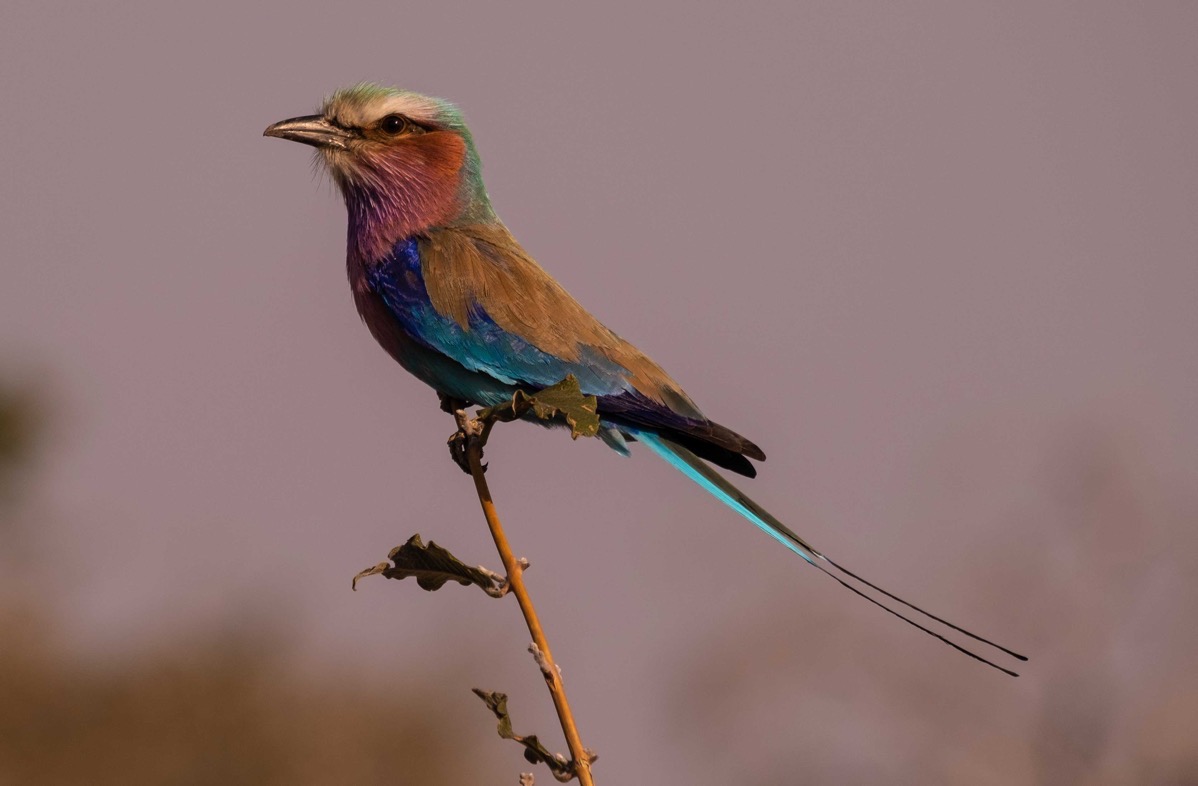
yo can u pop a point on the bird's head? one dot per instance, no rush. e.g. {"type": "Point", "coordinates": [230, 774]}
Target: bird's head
{"type": "Point", "coordinates": [404, 163]}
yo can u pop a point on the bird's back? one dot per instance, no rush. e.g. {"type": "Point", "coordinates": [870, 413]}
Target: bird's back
{"type": "Point", "coordinates": [472, 294]}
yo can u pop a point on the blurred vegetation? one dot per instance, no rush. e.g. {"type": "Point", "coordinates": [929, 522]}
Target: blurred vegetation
{"type": "Point", "coordinates": [229, 711]}
{"type": "Point", "coordinates": [226, 714]}
{"type": "Point", "coordinates": [16, 427]}
{"type": "Point", "coordinates": [20, 424]}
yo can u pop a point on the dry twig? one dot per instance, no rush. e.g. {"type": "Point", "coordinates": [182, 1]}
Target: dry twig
{"type": "Point", "coordinates": [466, 446]}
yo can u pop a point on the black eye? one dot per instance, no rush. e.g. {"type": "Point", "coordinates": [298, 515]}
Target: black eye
{"type": "Point", "coordinates": [393, 124]}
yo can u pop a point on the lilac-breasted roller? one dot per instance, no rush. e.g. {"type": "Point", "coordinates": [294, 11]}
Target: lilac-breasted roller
{"type": "Point", "coordinates": [449, 293]}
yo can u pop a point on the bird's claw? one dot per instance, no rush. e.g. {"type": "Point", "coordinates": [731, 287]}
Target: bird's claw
{"type": "Point", "coordinates": [470, 430]}
{"type": "Point", "coordinates": [457, 451]}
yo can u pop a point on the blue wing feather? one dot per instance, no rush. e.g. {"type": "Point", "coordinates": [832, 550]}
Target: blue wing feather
{"type": "Point", "coordinates": [482, 346]}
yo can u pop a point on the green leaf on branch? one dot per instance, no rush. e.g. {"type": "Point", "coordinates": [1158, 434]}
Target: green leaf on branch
{"type": "Point", "coordinates": [534, 751]}
{"type": "Point", "coordinates": [433, 566]}
{"type": "Point", "coordinates": [564, 400]}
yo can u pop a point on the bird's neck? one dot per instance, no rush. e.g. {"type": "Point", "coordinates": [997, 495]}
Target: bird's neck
{"type": "Point", "coordinates": [391, 201]}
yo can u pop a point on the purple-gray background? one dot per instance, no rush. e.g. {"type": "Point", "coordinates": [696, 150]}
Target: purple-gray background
{"type": "Point", "coordinates": [939, 259]}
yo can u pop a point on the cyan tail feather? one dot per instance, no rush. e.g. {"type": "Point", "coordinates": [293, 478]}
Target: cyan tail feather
{"type": "Point", "coordinates": [718, 486]}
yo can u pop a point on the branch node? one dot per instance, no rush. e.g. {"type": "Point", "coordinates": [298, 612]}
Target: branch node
{"type": "Point", "coordinates": [549, 670]}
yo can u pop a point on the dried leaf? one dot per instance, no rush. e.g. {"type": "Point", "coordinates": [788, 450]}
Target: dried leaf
{"type": "Point", "coordinates": [534, 751]}
{"type": "Point", "coordinates": [433, 566]}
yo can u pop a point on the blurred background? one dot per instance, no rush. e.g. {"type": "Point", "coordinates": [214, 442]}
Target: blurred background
{"type": "Point", "coordinates": [940, 260]}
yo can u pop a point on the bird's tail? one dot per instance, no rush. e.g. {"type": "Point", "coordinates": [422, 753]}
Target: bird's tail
{"type": "Point", "coordinates": [719, 487]}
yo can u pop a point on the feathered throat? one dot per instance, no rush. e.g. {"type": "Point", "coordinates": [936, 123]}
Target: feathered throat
{"type": "Point", "coordinates": [398, 192]}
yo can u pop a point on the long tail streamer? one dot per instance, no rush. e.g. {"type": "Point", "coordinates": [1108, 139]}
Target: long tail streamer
{"type": "Point", "coordinates": [718, 486]}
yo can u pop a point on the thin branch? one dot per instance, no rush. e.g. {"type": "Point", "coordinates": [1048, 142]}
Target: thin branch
{"type": "Point", "coordinates": [472, 435]}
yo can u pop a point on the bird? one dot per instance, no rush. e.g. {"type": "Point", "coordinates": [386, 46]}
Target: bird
{"type": "Point", "coordinates": [449, 293]}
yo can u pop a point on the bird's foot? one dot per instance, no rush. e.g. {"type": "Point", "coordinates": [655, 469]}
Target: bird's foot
{"type": "Point", "coordinates": [471, 435]}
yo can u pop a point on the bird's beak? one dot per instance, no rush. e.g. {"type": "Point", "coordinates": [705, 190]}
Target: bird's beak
{"type": "Point", "coordinates": [312, 130]}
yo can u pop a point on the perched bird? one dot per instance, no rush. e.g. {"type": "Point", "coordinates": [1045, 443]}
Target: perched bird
{"type": "Point", "coordinates": [449, 293]}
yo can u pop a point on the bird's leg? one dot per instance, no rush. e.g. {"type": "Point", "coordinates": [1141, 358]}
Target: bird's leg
{"type": "Point", "coordinates": [470, 431]}
{"type": "Point", "coordinates": [450, 404]}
